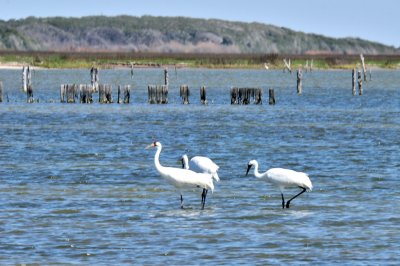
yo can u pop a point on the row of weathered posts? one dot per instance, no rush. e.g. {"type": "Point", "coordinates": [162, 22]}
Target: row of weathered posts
{"type": "Point", "coordinates": [70, 93]}
{"type": "Point", "coordinates": [158, 94]}
{"type": "Point", "coordinates": [246, 96]}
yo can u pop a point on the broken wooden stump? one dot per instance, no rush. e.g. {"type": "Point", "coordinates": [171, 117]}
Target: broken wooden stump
{"type": "Point", "coordinates": [72, 93]}
{"type": "Point", "coordinates": [105, 93]}
{"type": "Point", "coordinates": [271, 94]}
{"type": "Point", "coordinates": [203, 98]}
{"type": "Point", "coordinates": [257, 96]}
{"type": "Point", "coordinates": [26, 78]}
{"type": "Point", "coordinates": [166, 81]}
{"type": "Point", "coordinates": [184, 94]}
{"type": "Point", "coordinates": [354, 80]}
{"type": "Point", "coordinates": [234, 96]}
{"type": "Point", "coordinates": [363, 67]}
{"type": "Point", "coordinates": [360, 91]}
{"type": "Point", "coordinates": [68, 93]}
{"type": "Point", "coordinates": [94, 78]}
{"type": "Point", "coordinates": [246, 96]}
{"type": "Point", "coordinates": [126, 92]}
{"type": "Point", "coordinates": [299, 81]}
{"type": "Point", "coordinates": [157, 94]}
{"type": "Point", "coordinates": [29, 94]}
{"type": "Point", "coordinates": [86, 93]}
{"type": "Point", "coordinates": [287, 65]}
{"type": "Point", "coordinates": [1, 91]}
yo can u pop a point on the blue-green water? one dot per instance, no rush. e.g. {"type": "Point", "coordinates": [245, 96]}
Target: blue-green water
{"type": "Point", "coordinates": [78, 187]}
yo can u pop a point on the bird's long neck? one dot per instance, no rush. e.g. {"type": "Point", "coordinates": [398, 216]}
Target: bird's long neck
{"type": "Point", "coordinates": [256, 173]}
{"type": "Point", "coordinates": [157, 159]}
{"type": "Point", "coordinates": [185, 162]}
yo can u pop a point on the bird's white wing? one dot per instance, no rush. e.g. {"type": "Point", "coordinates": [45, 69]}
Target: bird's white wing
{"type": "Point", "coordinates": [202, 164]}
{"type": "Point", "coordinates": [187, 178]}
{"type": "Point", "coordinates": [289, 178]}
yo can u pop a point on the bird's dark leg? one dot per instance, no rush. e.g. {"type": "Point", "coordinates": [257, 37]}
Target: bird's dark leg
{"type": "Point", "coordinates": [203, 198]}
{"type": "Point", "coordinates": [283, 201]}
{"type": "Point", "coordinates": [181, 202]}
{"type": "Point", "coordinates": [288, 202]}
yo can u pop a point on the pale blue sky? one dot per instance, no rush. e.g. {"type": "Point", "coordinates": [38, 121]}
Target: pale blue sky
{"type": "Point", "coordinates": [372, 20]}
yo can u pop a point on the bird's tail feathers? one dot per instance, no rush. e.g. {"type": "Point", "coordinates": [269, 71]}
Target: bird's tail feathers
{"type": "Point", "coordinates": [308, 185]}
{"type": "Point", "coordinates": [211, 185]}
{"type": "Point", "coordinates": [216, 177]}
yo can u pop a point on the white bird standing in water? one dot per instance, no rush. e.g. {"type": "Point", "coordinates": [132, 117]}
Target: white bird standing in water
{"type": "Point", "coordinates": [182, 178]}
{"type": "Point", "coordinates": [283, 178]}
{"type": "Point", "coordinates": [200, 164]}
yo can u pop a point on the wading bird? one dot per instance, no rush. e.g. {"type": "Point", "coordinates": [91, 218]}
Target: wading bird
{"type": "Point", "coordinates": [182, 178]}
{"type": "Point", "coordinates": [283, 178]}
{"type": "Point", "coordinates": [200, 164]}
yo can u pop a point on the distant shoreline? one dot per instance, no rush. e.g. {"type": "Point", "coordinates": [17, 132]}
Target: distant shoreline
{"type": "Point", "coordinates": [111, 60]}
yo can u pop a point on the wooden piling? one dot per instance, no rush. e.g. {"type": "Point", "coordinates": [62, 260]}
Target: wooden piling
{"type": "Point", "coordinates": [86, 93]}
{"type": "Point", "coordinates": [184, 93]}
{"type": "Point", "coordinates": [299, 81]}
{"type": "Point", "coordinates": [242, 96]}
{"type": "Point", "coordinates": [258, 96]}
{"type": "Point", "coordinates": [354, 80]}
{"type": "Point", "coordinates": [62, 93]}
{"type": "Point", "coordinates": [363, 67]}
{"type": "Point", "coordinates": [271, 94]}
{"type": "Point", "coordinates": [126, 94]}
{"type": "Point", "coordinates": [166, 77]}
{"type": "Point", "coordinates": [157, 94]}
{"type": "Point", "coordinates": [246, 96]}
{"type": "Point", "coordinates": [203, 97]}
{"type": "Point", "coordinates": [164, 93]}
{"type": "Point", "coordinates": [119, 99]}
{"type": "Point", "coordinates": [105, 93]}
{"type": "Point", "coordinates": [94, 78]}
{"type": "Point", "coordinates": [1, 91]}
{"type": "Point", "coordinates": [234, 96]}
{"type": "Point", "coordinates": [29, 94]}
{"type": "Point", "coordinates": [71, 92]}
{"type": "Point", "coordinates": [287, 65]}
{"type": "Point", "coordinates": [360, 91]}
{"type": "Point", "coordinates": [151, 94]}
{"type": "Point", "coordinates": [24, 83]}
{"type": "Point", "coordinates": [29, 76]}
{"type": "Point", "coordinates": [102, 93]}
{"type": "Point", "coordinates": [26, 78]}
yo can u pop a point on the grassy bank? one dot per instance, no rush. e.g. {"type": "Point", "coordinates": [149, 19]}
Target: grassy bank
{"type": "Point", "coordinates": [251, 61]}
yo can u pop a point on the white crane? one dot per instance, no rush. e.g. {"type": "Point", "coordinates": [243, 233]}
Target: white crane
{"type": "Point", "coordinates": [283, 178]}
{"type": "Point", "coordinates": [182, 178]}
{"type": "Point", "coordinates": [200, 164]}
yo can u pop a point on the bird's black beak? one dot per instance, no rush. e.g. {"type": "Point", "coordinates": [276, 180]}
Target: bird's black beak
{"type": "Point", "coordinates": [248, 168]}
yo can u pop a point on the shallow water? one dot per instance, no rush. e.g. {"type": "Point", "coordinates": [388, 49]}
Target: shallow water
{"type": "Point", "coordinates": [78, 187]}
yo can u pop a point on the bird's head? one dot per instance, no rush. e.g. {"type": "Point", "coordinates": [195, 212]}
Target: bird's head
{"type": "Point", "coordinates": [250, 164]}
{"type": "Point", "coordinates": [154, 144]}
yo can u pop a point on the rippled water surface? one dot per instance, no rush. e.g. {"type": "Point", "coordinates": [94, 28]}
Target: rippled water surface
{"type": "Point", "coordinates": [78, 187]}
